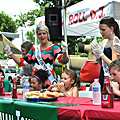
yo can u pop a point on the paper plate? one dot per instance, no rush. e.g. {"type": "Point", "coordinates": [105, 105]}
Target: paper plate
{"type": "Point", "coordinates": [41, 99]}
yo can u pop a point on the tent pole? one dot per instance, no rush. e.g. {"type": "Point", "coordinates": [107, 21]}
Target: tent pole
{"type": "Point", "coordinates": [64, 26]}
{"type": "Point", "coordinates": [35, 37]}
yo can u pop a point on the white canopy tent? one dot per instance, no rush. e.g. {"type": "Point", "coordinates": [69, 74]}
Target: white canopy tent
{"type": "Point", "coordinates": [83, 18]}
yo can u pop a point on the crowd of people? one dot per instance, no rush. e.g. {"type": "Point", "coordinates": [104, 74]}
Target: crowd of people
{"type": "Point", "coordinates": [39, 62]}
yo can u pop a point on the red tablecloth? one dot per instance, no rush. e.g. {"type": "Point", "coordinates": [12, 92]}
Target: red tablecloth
{"type": "Point", "coordinates": [98, 113]}
{"type": "Point", "coordinates": [85, 110]}
{"type": "Point", "coordinates": [75, 100]}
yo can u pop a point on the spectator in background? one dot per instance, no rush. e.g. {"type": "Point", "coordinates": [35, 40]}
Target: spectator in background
{"type": "Point", "coordinates": [27, 69]}
{"type": "Point", "coordinates": [8, 87]}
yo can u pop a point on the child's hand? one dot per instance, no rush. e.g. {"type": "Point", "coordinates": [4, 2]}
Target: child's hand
{"type": "Point", "coordinates": [31, 89]}
{"type": "Point", "coordinates": [55, 87]}
{"type": "Point", "coordinates": [62, 88]}
{"type": "Point", "coordinates": [49, 88]}
{"type": "Point", "coordinates": [115, 87]}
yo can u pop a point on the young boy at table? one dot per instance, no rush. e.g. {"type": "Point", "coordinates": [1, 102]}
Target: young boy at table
{"type": "Point", "coordinates": [71, 83]}
{"type": "Point", "coordinates": [38, 79]}
{"type": "Point", "coordinates": [114, 69]}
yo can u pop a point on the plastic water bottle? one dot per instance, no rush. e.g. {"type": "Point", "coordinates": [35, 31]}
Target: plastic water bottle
{"type": "Point", "coordinates": [96, 92]}
{"type": "Point", "coordinates": [25, 87]}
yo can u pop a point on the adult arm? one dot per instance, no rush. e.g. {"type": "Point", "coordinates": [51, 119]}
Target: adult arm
{"type": "Point", "coordinates": [115, 50]}
{"type": "Point", "coordinates": [64, 47]}
{"type": "Point", "coordinates": [20, 61]}
{"type": "Point", "coordinates": [9, 53]}
{"type": "Point", "coordinates": [98, 52]}
{"type": "Point", "coordinates": [61, 54]}
{"type": "Point", "coordinates": [64, 57]}
{"type": "Point", "coordinates": [106, 59]}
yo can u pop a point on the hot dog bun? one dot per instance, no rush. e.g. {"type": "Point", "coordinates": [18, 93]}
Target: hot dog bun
{"type": "Point", "coordinates": [46, 94]}
{"type": "Point", "coordinates": [55, 89]}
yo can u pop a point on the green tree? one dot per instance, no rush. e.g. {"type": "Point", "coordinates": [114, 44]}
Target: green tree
{"type": "Point", "coordinates": [59, 2]}
{"type": "Point", "coordinates": [2, 56]}
{"type": "Point", "coordinates": [30, 35]}
{"type": "Point", "coordinates": [31, 15]}
{"type": "Point", "coordinates": [7, 24]}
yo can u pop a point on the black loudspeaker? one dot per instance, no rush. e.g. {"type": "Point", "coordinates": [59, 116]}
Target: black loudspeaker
{"type": "Point", "coordinates": [53, 21]}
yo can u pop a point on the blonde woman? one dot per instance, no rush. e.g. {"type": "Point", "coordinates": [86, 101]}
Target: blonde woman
{"type": "Point", "coordinates": [45, 54]}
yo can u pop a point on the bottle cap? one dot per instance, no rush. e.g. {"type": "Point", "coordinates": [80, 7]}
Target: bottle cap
{"type": "Point", "coordinates": [87, 84]}
{"type": "Point", "coordinates": [107, 80]}
{"type": "Point", "coordinates": [15, 79]}
{"type": "Point", "coordinates": [2, 78]}
{"type": "Point", "coordinates": [95, 80]}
